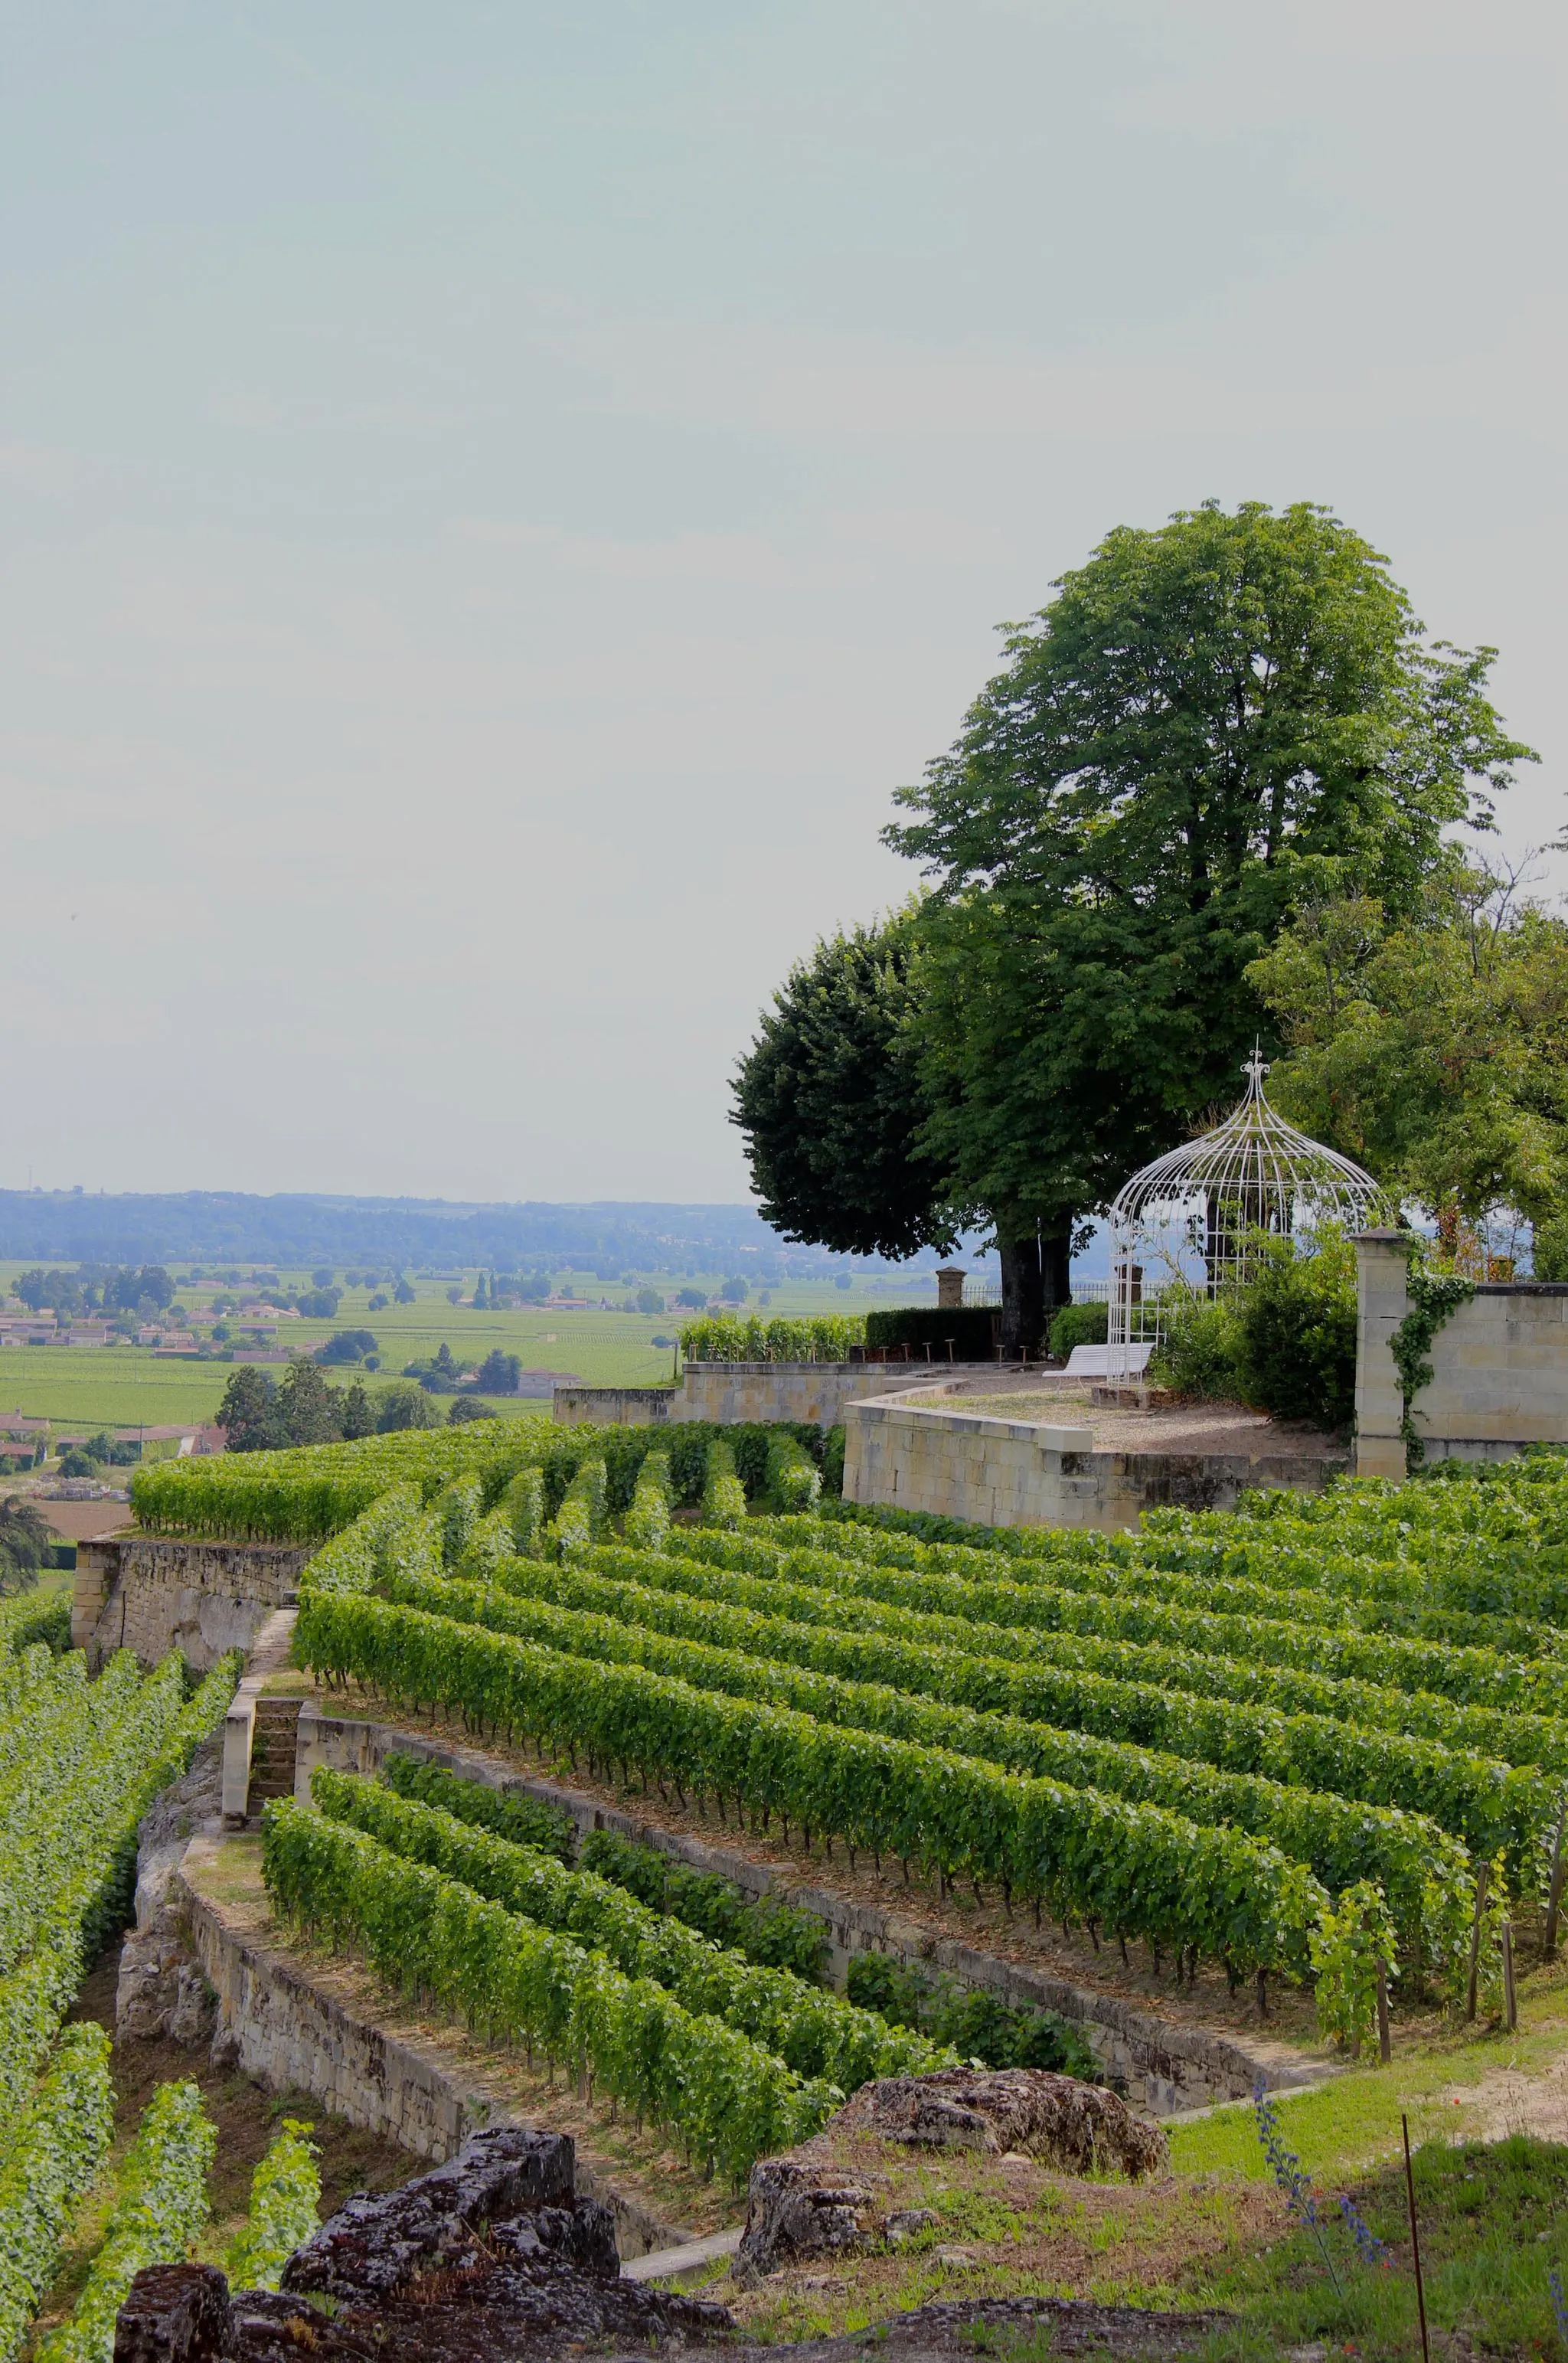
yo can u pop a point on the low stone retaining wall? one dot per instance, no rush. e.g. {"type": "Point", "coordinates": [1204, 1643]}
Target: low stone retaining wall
{"type": "Point", "coordinates": [919, 1452]}
{"type": "Point", "coordinates": [1163, 2067]}
{"type": "Point", "coordinates": [155, 1592]}
{"type": "Point", "coordinates": [287, 2034]}
{"type": "Point", "coordinates": [806, 1393]}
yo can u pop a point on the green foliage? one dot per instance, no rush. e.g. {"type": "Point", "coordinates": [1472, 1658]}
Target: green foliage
{"type": "Point", "coordinates": [1430, 1042]}
{"type": "Point", "coordinates": [1294, 1328]}
{"type": "Point", "coordinates": [1198, 1352]}
{"type": "Point", "coordinates": [729, 2100]}
{"type": "Point", "coordinates": [1435, 1298]}
{"type": "Point", "coordinates": [1353, 1936]}
{"type": "Point", "coordinates": [975, 2024]}
{"type": "Point", "coordinates": [647, 1520]}
{"type": "Point", "coordinates": [1207, 719]}
{"type": "Point", "coordinates": [459, 1510]}
{"type": "Point", "coordinates": [26, 1542]}
{"type": "Point", "coordinates": [507, 1813]}
{"type": "Point", "coordinates": [830, 1100]}
{"type": "Point", "coordinates": [794, 1481]}
{"type": "Point", "coordinates": [723, 1338]}
{"type": "Point", "coordinates": [579, 1521]}
{"type": "Point", "coordinates": [53, 2151]}
{"type": "Point", "coordinates": [724, 1496]}
{"type": "Point", "coordinates": [1078, 1324]}
{"type": "Point", "coordinates": [779, 1935]}
{"type": "Point", "coordinates": [523, 1507]}
{"type": "Point", "coordinates": [1549, 1258]}
{"type": "Point", "coordinates": [305, 1495]}
{"type": "Point", "coordinates": [286, 2202]}
{"type": "Point", "coordinates": [161, 2204]}
{"type": "Point", "coordinates": [1139, 1868]}
{"type": "Point", "coordinates": [814, 2032]}
{"type": "Point", "coordinates": [970, 1329]}
{"type": "Point", "coordinates": [745, 1654]}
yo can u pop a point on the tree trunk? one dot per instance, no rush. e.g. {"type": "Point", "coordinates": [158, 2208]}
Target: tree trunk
{"type": "Point", "coordinates": [1035, 1281]}
{"type": "Point", "coordinates": [1023, 1295]}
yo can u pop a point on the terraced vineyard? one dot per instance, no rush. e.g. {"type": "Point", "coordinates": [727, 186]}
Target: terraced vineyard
{"type": "Point", "coordinates": [80, 1762]}
{"type": "Point", "coordinates": [1272, 1739]}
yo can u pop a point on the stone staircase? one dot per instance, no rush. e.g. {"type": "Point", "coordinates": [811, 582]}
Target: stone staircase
{"type": "Point", "coordinates": [273, 1742]}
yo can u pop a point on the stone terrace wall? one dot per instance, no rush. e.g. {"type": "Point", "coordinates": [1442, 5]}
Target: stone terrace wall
{"type": "Point", "coordinates": [916, 1453]}
{"type": "Point", "coordinates": [152, 1593]}
{"type": "Point", "coordinates": [1500, 1367]}
{"type": "Point", "coordinates": [808, 1393]}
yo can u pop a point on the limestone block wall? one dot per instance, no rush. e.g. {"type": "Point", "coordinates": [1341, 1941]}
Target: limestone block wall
{"type": "Point", "coordinates": [915, 1453]}
{"type": "Point", "coordinates": [153, 1592]}
{"type": "Point", "coordinates": [806, 1393]}
{"type": "Point", "coordinates": [1500, 1367]}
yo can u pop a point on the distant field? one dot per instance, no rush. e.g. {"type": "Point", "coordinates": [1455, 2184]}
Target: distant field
{"type": "Point", "coordinates": [122, 1386]}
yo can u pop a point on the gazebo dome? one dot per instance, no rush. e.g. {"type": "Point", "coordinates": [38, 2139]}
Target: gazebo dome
{"type": "Point", "coordinates": [1194, 1216]}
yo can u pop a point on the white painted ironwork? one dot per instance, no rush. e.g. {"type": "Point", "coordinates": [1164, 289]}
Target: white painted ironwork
{"type": "Point", "coordinates": [1191, 1222]}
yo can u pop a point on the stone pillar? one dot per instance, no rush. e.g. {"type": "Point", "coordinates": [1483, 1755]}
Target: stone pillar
{"type": "Point", "coordinates": [1382, 1272]}
{"type": "Point", "coordinates": [950, 1288]}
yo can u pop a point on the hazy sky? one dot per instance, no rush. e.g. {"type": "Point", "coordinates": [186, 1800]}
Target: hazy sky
{"type": "Point", "coordinates": [493, 499]}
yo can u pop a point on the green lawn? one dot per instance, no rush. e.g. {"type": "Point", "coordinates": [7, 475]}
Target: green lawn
{"type": "Point", "coordinates": [122, 1386]}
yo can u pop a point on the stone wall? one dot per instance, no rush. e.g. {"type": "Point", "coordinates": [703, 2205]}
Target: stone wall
{"type": "Point", "coordinates": [1500, 1367]}
{"type": "Point", "coordinates": [806, 1393]}
{"type": "Point", "coordinates": [916, 1453]}
{"type": "Point", "coordinates": [1163, 2067]}
{"type": "Point", "coordinates": [152, 1593]}
{"type": "Point", "coordinates": [279, 2028]}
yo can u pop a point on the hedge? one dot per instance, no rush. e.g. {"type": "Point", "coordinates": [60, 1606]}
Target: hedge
{"type": "Point", "coordinates": [971, 1327]}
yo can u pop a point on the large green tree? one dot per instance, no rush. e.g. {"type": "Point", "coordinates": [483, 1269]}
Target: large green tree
{"type": "Point", "coordinates": [831, 1099]}
{"type": "Point", "coordinates": [1432, 1047]}
{"type": "Point", "coordinates": [1208, 720]}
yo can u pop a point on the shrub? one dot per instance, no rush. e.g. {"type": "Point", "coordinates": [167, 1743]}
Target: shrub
{"type": "Point", "coordinates": [971, 1328]}
{"type": "Point", "coordinates": [1078, 1324]}
{"type": "Point", "coordinates": [464, 1408]}
{"type": "Point", "coordinates": [1198, 1349]}
{"type": "Point", "coordinates": [1549, 1259]}
{"type": "Point", "coordinates": [1295, 1330]}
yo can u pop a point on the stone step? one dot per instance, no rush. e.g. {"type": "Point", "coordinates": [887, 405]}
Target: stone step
{"type": "Point", "coordinates": [274, 1739]}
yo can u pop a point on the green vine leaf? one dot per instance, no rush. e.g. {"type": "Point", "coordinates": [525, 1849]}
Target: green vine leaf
{"type": "Point", "coordinates": [1435, 1298]}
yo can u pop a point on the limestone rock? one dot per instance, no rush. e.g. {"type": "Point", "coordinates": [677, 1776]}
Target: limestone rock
{"type": "Point", "coordinates": [174, 2314]}
{"type": "Point", "coordinates": [161, 1990]}
{"type": "Point", "coordinates": [1079, 2128]}
{"type": "Point", "coordinates": [372, 2248]}
{"type": "Point", "coordinates": [791, 2212]}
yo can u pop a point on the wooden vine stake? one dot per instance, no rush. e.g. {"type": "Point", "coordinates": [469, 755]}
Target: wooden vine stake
{"type": "Point", "coordinates": [1415, 2238]}
{"type": "Point", "coordinates": [1511, 1999]}
{"type": "Point", "coordinates": [1554, 1892]}
{"type": "Point", "coordinates": [1384, 2036]}
{"type": "Point", "coordinates": [1482, 1875]}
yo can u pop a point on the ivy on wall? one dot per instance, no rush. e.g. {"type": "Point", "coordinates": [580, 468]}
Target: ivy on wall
{"type": "Point", "coordinates": [1435, 1298]}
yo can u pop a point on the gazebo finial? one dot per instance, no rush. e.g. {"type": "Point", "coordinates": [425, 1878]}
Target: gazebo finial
{"type": "Point", "coordinates": [1256, 1068]}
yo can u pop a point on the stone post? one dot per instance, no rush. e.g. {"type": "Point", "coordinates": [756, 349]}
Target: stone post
{"type": "Point", "coordinates": [950, 1281]}
{"type": "Point", "coordinates": [1382, 1272]}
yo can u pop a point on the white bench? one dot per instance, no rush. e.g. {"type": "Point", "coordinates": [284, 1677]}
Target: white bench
{"type": "Point", "coordinates": [1094, 1361]}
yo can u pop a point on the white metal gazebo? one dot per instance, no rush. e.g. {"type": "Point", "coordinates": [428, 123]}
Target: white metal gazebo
{"type": "Point", "coordinates": [1193, 1219]}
